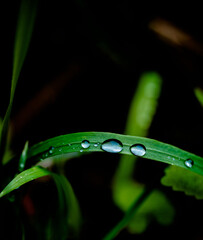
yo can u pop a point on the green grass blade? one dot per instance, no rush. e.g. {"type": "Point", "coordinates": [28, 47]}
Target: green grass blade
{"type": "Point", "coordinates": [24, 30]}
{"type": "Point", "coordinates": [24, 177]}
{"type": "Point", "coordinates": [68, 207]}
{"type": "Point", "coordinates": [129, 214]}
{"type": "Point", "coordinates": [155, 150]}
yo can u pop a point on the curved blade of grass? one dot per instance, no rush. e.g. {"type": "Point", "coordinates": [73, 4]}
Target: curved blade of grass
{"type": "Point", "coordinates": [24, 177]}
{"type": "Point", "coordinates": [69, 210]}
{"type": "Point", "coordinates": [24, 30]}
{"type": "Point", "coordinates": [155, 150]}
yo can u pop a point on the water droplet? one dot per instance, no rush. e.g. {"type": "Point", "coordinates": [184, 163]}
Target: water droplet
{"type": "Point", "coordinates": [112, 146]}
{"type": "Point", "coordinates": [85, 144]}
{"type": "Point", "coordinates": [96, 144]}
{"type": "Point", "coordinates": [189, 163]}
{"type": "Point", "coordinates": [22, 165]}
{"type": "Point", "coordinates": [51, 150]}
{"type": "Point", "coordinates": [60, 149]}
{"type": "Point", "coordinates": [81, 150]}
{"type": "Point", "coordinates": [138, 150]}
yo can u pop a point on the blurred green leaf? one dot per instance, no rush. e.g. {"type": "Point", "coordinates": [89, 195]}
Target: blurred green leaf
{"type": "Point", "coordinates": [24, 177]}
{"type": "Point", "coordinates": [155, 207]}
{"type": "Point", "coordinates": [199, 95]}
{"type": "Point", "coordinates": [126, 190]}
{"type": "Point", "coordinates": [69, 219]}
{"type": "Point", "coordinates": [185, 181]}
{"type": "Point", "coordinates": [24, 30]}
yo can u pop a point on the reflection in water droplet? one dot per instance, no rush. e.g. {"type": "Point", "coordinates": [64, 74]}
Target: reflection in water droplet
{"type": "Point", "coordinates": [85, 144]}
{"type": "Point", "coordinates": [51, 150]}
{"type": "Point", "coordinates": [138, 150]}
{"type": "Point", "coordinates": [189, 163]}
{"type": "Point", "coordinates": [112, 146]}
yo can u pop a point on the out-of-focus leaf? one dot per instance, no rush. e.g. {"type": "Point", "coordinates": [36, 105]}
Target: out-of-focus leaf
{"type": "Point", "coordinates": [199, 95]}
{"type": "Point", "coordinates": [126, 190]}
{"type": "Point", "coordinates": [69, 219]}
{"type": "Point", "coordinates": [155, 207]}
{"type": "Point", "coordinates": [24, 30]}
{"type": "Point", "coordinates": [185, 181]}
{"type": "Point", "coordinates": [24, 177]}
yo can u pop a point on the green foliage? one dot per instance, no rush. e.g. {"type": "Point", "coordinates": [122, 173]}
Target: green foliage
{"type": "Point", "coordinates": [185, 181]}
{"type": "Point", "coordinates": [199, 95]}
{"type": "Point", "coordinates": [22, 40]}
{"type": "Point", "coordinates": [24, 177]}
{"type": "Point", "coordinates": [155, 207]}
{"type": "Point", "coordinates": [155, 150]}
{"type": "Point", "coordinates": [69, 215]}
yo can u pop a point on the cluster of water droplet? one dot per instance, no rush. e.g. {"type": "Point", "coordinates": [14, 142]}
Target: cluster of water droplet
{"type": "Point", "coordinates": [113, 146]}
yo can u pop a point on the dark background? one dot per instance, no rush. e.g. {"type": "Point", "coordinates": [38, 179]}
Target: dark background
{"type": "Point", "coordinates": [96, 52]}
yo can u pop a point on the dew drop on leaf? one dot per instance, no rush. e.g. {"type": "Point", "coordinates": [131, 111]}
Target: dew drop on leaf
{"type": "Point", "coordinates": [85, 144]}
{"type": "Point", "coordinates": [138, 150]}
{"type": "Point", "coordinates": [189, 163]}
{"type": "Point", "coordinates": [112, 146]}
{"type": "Point", "coordinates": [51, 150]}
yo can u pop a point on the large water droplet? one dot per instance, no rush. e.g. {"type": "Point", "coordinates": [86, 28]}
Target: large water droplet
{"type": "Point", "coordinates": [112, 146]}
{"type": "Point", "coordinates": [138, 150]}
{"type": "Point", "coordinates": [189, 163]}
{"type": "Point", "coordinates": [85, 144]}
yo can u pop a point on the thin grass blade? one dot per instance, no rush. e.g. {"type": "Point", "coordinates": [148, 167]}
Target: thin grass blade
{"type": "Point", "coordinates": [152, 149]}
{"type": "Point", "coordinates": [24, 30]}
{"type": "Point", "coordinates": [24, 177]}
{"type": "Point", "coordinates": [68, 207]}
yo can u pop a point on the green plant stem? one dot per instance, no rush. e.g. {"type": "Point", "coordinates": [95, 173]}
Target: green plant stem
{"type": "Point", "coordinates": [128, 216]}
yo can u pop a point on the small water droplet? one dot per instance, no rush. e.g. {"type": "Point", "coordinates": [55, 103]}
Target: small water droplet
{"type": "Point", "coordinates": [85, 144]}
{"type": "Point", "coordinates": [138, 150]}
{"type": "Point", "coordinates": [51, 150]}
{"type": "Point", "coordinates": [112, 146]}
{"type": "Point", "coordinates": [189, 163]}
{"type": "Point", "coordinates": [81, 150]}
{"type": "Point", "coordinates": [60, 149]}
{"type": "Point", "coordinates": [22, 165]}
{"type": "Point", "coordinates": [96, 144]}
